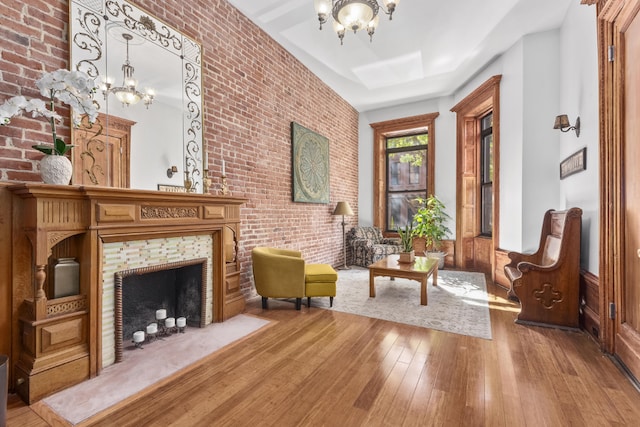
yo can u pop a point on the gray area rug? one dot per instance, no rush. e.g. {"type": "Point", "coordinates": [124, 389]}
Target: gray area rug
{"type": "Point", "coordinates": [458, 304]}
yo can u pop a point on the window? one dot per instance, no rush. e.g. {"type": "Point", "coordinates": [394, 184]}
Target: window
{"type": "Point", "coordinates": [486, 174]}
{"type": "Point", "coordinates": [403, 168]}
{"type": "Point", "coordinates": [406, 158]}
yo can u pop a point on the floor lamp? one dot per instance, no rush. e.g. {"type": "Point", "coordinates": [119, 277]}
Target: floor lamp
{"type": "Point", "coordinates": [343, 208]}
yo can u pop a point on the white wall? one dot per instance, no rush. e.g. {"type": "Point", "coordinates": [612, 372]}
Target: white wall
{"type": "Point", "coordinates": [579, 97]}
{"type": "Point", "coordinates": [155, 145]}
{"type": "Point", "coordinates": [543, 75]}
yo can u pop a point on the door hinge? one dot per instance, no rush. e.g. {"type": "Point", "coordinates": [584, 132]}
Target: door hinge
{"type": "Point", "coordinates": [611, 53]}
{"type": "Point", "coordinates": [612, 310]}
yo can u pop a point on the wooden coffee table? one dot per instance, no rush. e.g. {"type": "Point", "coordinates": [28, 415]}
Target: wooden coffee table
{"type": "Point", "coordinates": [420, 270]}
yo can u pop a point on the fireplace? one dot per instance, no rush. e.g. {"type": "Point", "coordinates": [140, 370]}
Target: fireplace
{"type": "Point", "coordinates": [178, 287]}
{"type": "Point", "coordinates": [58, 342]}
{"type": "Point", "coordinates": [123, 260]}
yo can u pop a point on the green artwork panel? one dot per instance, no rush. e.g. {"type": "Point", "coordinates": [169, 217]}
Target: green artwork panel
{"type": "Point", "coordinates": [310, 165]}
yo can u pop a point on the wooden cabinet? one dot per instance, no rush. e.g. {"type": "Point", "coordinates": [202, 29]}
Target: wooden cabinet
{"type": "Point", "coordinates": [55, 342]}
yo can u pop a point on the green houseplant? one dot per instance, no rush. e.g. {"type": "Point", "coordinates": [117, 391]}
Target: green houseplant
{"type": "Point", "coordinates": [431, 225]}
{"type": "Point", "coordinates": [406, 242]}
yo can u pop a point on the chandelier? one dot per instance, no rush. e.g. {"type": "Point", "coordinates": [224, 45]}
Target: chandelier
{"type": "Point", "coordinates": [128, 93]}
{"type": "Point", "coordinates": [353, 14]}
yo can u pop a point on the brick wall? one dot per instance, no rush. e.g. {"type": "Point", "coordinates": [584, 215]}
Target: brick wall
{"type": "Point", "coordinates": [253, 90]}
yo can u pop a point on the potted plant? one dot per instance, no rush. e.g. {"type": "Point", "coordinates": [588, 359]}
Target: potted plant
{"type": "Point", "coordinates": [431, 225]}
{"type": "Point", "coordinates": [406, 242]}
{"type": "Point", "coordinates": [74, 88]}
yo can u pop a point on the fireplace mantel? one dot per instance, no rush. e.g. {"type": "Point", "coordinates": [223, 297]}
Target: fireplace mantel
{"type": "Point", "coordinates": [55, 341]}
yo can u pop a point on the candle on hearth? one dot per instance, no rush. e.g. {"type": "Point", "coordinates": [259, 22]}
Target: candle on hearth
{"type": "Point", "coordinates": [224, 172]}
{"type": "Point", "coordinates": [206, 160]}
{"type": "Point", "coordinates": [170, 322]}
{"type": "Point", "coordinates": [152, 328]}
{"type": "Point", "coordinates": [181, 322]}
{"type": "Point", "coordinates": [138, 336]}
{"type": "Point", "coordinates": [161, 314]}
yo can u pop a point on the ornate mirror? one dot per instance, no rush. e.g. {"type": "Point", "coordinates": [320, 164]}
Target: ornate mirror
{"type": "Point", "coordinates": [149, 133]}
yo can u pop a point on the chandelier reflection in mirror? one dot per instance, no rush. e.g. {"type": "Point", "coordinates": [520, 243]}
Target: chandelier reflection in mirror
{"type": "Point", "coordinates": [353, 15]}
{"type": "Point", "coordinates": [128, 93]}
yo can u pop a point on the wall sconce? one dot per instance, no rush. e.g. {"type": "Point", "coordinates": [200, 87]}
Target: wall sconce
{"type": "Point", "coordinates": [562, 123]}
{"type": "Point", "coordinates": [171, 171]}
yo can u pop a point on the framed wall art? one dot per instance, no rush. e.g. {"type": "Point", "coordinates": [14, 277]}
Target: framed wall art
{"type": "Point", "coordinates": [577, 162]}
{"type": "Point", "coordinates": [310, 168]}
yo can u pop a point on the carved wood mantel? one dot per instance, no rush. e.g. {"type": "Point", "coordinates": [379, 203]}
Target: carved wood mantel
{"type": "Point", "coordinates": [56, 341]}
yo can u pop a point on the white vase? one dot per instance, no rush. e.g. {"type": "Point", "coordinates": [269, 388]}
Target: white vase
{"type": "Point", "coordinates": [56, 169]}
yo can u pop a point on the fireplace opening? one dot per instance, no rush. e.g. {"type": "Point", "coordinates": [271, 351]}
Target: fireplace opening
{"type": "Point", "coordinates": [179, 288]}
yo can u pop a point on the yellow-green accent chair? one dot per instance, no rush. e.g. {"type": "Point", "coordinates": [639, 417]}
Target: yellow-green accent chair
{"type": "Point", "coordinates": [282, 273]}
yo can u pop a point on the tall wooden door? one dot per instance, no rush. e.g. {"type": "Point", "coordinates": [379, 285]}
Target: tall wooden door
{"type": "Point", "coordinates": [101, 153]}
{"type": "Point", "coordinates": [473, 250]}
{"type": "Point", "coordinates": [627, 325]}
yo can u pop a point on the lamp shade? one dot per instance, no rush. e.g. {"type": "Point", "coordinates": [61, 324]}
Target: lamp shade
{"type": "Point", "coordinates": [562, 121]}
{"type": "Point", "coordinates": [343, 208]}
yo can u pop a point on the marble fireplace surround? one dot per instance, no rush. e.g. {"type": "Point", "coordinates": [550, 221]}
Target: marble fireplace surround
{"type": "Point", "coordinates": [61, 342]}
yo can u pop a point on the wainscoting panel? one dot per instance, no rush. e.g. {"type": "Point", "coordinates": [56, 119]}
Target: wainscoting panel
{"type": "Point", "coordinates": [589, 304]}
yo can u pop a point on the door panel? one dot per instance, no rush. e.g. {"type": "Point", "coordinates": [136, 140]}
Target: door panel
{"type": "Point", "coordinates": [627, 339]}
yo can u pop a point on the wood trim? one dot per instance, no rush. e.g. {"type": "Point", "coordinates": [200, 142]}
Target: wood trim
{"type": "Point", "coordinates": [397, 127]}
{"type": "Point", "coordinates": [589, 304]}
{"type": "Point", "coordinates": [482, 100]}
{"type": "Point", "coordinates": [500, 277]}
{"type": "Point", "coordinates": [42, 215]}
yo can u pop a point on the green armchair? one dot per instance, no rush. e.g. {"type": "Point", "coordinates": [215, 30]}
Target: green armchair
{"type": "Point", "coordinates": [282, 273]}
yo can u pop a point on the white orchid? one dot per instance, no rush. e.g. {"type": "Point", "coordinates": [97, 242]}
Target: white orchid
{"type": "Point", "coordinates": [74, 88]}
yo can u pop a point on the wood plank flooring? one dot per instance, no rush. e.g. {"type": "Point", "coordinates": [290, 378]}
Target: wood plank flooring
{"type": "Point", "coordinates": [316, 367]}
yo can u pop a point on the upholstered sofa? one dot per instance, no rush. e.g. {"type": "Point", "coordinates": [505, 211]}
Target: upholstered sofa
{"type": "Point", "coordinates": [366, 245]}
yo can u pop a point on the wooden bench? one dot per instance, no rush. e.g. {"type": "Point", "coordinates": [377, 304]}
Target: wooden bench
{"type": "Point", "coordinates": [547, 282]}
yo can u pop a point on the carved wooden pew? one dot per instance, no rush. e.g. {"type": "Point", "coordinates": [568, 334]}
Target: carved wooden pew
{"type": "Point", "coordinates": [547, 282]}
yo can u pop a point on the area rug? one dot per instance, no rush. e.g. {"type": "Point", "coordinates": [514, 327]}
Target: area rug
{"type": "Point", "coordinates": [458, 304]}
{"type": "Point", "coordinates": [144, 367]}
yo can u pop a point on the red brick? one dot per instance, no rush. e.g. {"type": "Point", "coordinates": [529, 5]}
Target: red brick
{"type": "Point", "coordinates": [252, 90]}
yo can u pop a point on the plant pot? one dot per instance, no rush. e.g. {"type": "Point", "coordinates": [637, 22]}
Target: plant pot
{"type": "Point", "coordinates": [407, 257]}
{"type": "Point", "coordinates": [419, 245]}
{"type": "Point", "coordinates": [56, 170]}
{"type": "Point", "coordinates": [439, 256]}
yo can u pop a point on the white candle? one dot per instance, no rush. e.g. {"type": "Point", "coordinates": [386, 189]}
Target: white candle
{"type": "Point", "coordinates": [152, 328]}
{"type": "Point", "coordinates": [161, 314]}
{"type": "Point", "coordinates": [224, 172]}
{"type": "Point", "coordinates": [138, 336]}
{"type": "Point", "coordinates": [170, 322]}
{"type": "Point", "coordinates": [206, 160]}
{"type": "Point", "coordinates": [181, 322]}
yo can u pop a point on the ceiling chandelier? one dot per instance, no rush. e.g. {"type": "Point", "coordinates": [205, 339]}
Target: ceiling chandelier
{"type": "Point", "coordinates": [128, 93]}
{"type": "Point", "coordinates": [353, 14]}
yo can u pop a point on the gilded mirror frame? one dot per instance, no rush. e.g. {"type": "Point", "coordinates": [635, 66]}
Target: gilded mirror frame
{"type": "Point", "coordinates": [88, 50]}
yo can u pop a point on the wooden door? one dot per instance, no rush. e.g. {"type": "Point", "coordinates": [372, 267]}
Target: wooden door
{"type": "Point", "coordinates": [472, 250]}
{"type": "Point", "coordinates": [101, 153]}
{"type": "Point", "coordinates": [627, 291]}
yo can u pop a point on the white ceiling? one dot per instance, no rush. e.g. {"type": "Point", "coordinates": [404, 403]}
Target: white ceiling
{"type": "Point", "coordinates": [429, 49]}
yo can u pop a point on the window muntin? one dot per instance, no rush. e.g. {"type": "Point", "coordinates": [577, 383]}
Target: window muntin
{"type": "Point", "coordinates": [406, 158]}
{"type": "Point", "coordinates": [486, 175]}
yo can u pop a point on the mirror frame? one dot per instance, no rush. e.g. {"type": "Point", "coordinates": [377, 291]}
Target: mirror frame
{"type": "Point", "coordinates": [88, 27]}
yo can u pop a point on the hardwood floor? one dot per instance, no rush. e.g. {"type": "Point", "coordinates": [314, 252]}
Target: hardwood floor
{"type": "Point", "coordinates": [320, 367]}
